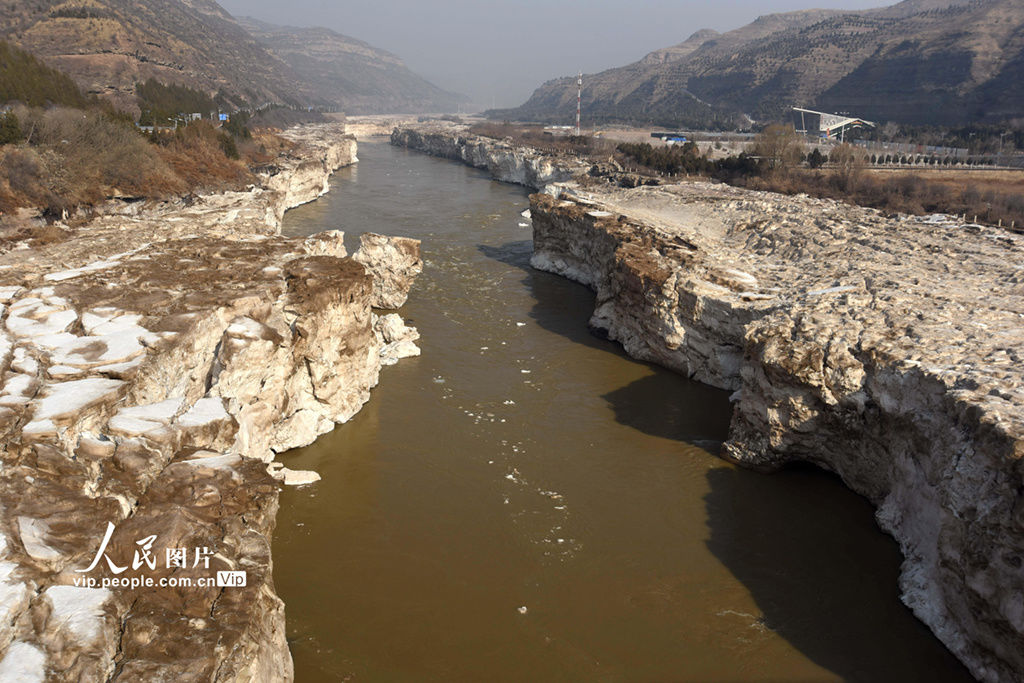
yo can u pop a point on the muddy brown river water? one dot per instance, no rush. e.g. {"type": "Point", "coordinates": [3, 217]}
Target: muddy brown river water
{"type": "Point", "coordinates": [526, 503]}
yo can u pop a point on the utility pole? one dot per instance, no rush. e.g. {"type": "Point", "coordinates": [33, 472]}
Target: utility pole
{"type": "Point", "coordinates": [579, 100]}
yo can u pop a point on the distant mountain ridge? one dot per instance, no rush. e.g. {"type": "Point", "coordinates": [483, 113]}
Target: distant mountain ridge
{"type": "Point", "coordinates": [361, 78]}
{"type": "Point", "coordinates": [107, 46]}
{"type": "Point", "coordinates": [919, 61]}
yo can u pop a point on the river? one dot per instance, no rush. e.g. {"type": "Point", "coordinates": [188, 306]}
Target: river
{"type": "Point", "coordinates": [524, 502]}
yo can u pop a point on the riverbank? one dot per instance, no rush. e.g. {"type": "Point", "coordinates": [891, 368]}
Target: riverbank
{"type": "Point", "coordinates": [156, 359]}
{"type": "Point", "coordinates": [880, 348]}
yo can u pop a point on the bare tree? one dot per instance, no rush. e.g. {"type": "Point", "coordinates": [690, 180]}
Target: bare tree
{"type": "Point", "coordinates": [779, 145]}
{"type": "Point", "coordinates": [849, 165]}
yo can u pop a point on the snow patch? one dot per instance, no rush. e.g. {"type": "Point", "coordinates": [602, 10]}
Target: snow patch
{"type": "Point", "coordinates": [205, 411]}
{"type": "Point", "coordinates": [138, 420]}
{"type": "Point", "coordinates": [67, 398]}
{"type": "Point", "coordinates": [34, 533]}
{"type": "Point", "coordinates": [80, 610]}
{"type": "Point", "coordinates": [226, 461]}
{"type": "Point", "coordinates": [23, 663]}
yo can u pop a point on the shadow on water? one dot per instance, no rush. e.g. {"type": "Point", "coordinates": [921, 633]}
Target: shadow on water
{"type": "Point", "coordinates": [686, 410]}
{"type": "Point", "coordinates": [561, 305]}
{"type": "Point", "coordinates": [822, 573]}
{"type": "Point", "coordinates": [806, 547]}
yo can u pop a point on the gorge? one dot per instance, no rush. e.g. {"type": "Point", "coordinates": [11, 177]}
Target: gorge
{"type": "Point", "coordinates": [523, 499]}
{"type": "Point", "coordinates": [882, 348]}
{"type": "Point", "coordinates": [155, 362]}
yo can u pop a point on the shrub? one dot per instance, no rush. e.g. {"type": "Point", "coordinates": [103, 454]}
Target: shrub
{"type": "Point", "coordinates": [10, 129]}
{"type": "Point", "coordinates": [815, 159]}
{"type": "Point", "coordinates": [228, 145]}
{"type": "Point", "coordinates": [235, 126]}
{"type": "Point", "coordinates": [196, 155]}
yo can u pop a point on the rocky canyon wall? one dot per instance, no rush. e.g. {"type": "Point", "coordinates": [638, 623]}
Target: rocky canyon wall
{"type": "Point", "coordinates": [505, 161]}
{"type": "Point", "coordinates": [153, 365]}
{"type": "Point", "coordinates": [884, 349]}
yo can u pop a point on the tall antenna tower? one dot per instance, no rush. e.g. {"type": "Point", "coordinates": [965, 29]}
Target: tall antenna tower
{"type": "Point", "coordinates": [579, 100]}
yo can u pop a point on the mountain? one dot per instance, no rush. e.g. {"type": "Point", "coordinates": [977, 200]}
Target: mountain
{"type": "Point", "coordinates": [920, 61]}
{"type": "Point", "coordinates": [25, 79]}
{"type": "Point", "coordinates": [108, 46]}
{"type": "Point", "coordinates": [359, 77]}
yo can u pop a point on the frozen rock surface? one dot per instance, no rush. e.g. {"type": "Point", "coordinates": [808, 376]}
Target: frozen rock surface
{"type": "Point", "coordinates": [504, 160]}
{"type": "Point", "coordinates": [887, 349]}
{"type": "Point", "coordinates": [394, 263]}
{"type": "Point", "coordinates": [150, 368]}
{"type": "Point", "coordinates": [397, 340]}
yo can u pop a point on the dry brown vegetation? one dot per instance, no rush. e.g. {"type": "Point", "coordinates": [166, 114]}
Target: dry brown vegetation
{"type": "Point", "coordinates": [74, 158]}
{"type": "Point", "coordinates": [70, 158]}
{"type": "Point", "coordinates": [904, 192]}
{"type": "Point", "coordinates": [197, 157]}
{"type": "Point", "coordinates": [774, 164]}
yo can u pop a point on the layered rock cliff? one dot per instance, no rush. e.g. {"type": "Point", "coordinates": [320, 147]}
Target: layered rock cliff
{"type": "Point", "coordinates": [153, 365]}
{"type": "Point", "coordinates": [885, 349]}
{"type": "Point", "coordinates": [503, 160]}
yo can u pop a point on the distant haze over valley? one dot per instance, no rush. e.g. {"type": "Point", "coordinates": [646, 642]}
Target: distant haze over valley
{"type": "Point", "coordinates": [924, 62]}
{"type": "Point", "coordinates": [498, 53]}
{"type": "Point", "coordinates": [686, 64]}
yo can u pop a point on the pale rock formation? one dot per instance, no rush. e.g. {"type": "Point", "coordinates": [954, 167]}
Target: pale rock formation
{"type": "Point", "coordinates": [394, 263]}
{"type": "Point", "coordinates": [504, 160]}
{"type": "Point", "coordinates": [147, 378]}
{"type": "Point", "coordinates": [326, 243]}
{"type": "Point", "coordinates": [396, 338]}
{"type": "Point", "coordinates": [167, 438]}
{"type": "Point", "coordinates": [885, 349]}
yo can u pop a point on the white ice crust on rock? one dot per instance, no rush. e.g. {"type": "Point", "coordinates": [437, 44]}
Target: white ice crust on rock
{"type": "Point", "coordinates": [78, 609]}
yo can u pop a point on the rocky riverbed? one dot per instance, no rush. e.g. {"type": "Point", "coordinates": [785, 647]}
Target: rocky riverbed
{"type": "Point", "coordinates": [154, 365]}
{"type": "Point", "coordinates": [883, 348]}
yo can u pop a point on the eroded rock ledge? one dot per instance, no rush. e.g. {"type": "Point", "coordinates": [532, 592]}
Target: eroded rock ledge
{"type": "Point", "coordinates": [505, 161]}
{"type": "Point", "coordinates": [887, 350]}
{"type": "Point", "coordinates": [152, 367]}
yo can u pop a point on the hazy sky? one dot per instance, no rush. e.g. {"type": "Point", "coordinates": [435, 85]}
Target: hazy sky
{"type": "Point", "coordinates": [498, 52]}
